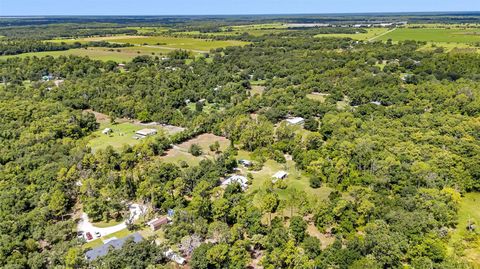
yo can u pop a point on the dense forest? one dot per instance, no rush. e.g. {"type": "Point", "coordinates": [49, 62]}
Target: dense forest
{"type": "Point", "coordinates": [398, 155]}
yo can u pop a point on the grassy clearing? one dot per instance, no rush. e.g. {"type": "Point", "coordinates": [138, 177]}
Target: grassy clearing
{"type": "Point", "coordinates": [320, 97]}
{"type": "Point", "coordinates": [98, 53]}
{"type": "Point", "coordinates": [371, 33]}
{"type": "Point", "coordinates": [180, 152]}
{"type": "Point", "coordinates": [296, 179]}
{"type": "Point", "coordinates": [257, 89]}
{"type": "Point", "coordinates": [437, 35]}
{"type": "Point", "coordinates": [193, 44]}
{"type": "Point", "coordinates": [468, 211]}
{"type": "Point", "coordinates": [122, 134]}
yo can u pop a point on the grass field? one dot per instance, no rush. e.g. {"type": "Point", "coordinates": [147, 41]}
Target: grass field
{"type": "Point", "coordinates": [122, 134]}
{"type": "Point", "coordinates": [436, 35]}
{"type": "Point", "coordinates": [164, 42]}
{"type": "Point", "coordinates": [180, 152]}
{"type": "Point", "coordinates": [371, 33]}
{"type": "Point", "coordinates": [296, 179]}
{"type": "Point", "coordinates": [99, 53]}
{"type": "Point", "coordinates": [321, 97]}
{"type": "Point", "coordinates": [469, 211]}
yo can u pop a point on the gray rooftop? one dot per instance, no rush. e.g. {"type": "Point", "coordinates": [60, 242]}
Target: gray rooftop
{"type": "Point", "coordinates": [116, 244]}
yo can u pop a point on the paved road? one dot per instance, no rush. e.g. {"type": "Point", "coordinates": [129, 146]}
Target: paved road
{"type": "Point", "coordinates": [85, 225]}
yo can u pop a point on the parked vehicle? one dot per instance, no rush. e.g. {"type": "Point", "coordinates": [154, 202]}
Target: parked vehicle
{"type": "Point", "coordinates": [89, 236]}
{"type": "Point", "coordinates": [97, 234]}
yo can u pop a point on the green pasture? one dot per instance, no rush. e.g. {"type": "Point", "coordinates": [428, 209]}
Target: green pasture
{"type": "Point", "coordinates": [122, 135]}
{"type": "Point", "coordinates": [98, 53]}
{"type": "Point", "coordinates": [435, 35]}
{"type": "Point", "coordinates": [371, 33]}
{"type": "Point", "coordinates": [177, 42]}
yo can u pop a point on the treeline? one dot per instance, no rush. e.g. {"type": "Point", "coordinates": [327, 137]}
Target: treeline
{"type": "Point", "coordinates": [24, 46]}
{"type": "Point", "coordinates": [61, 31]}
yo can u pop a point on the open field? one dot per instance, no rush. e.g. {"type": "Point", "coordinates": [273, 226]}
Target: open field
{"type": "Point", "coordinates": [296, 179]}
{"type": "Point", "coordinates": [180, 152]}
{"type": "Point", "coordinates": [434, 35]}
{"type": "Point", "coordinates": [123, 134]}
{"type": "Point", "coordinates": [469, 211]}
{"type": "Point", "coordinates": [99, 53]}
{"type": "Point", "coordinates": [321, 97]}
{"type": "Point", "coordinates": [372, 33]}
{"type": "Point", "coordinates": [165, 42]}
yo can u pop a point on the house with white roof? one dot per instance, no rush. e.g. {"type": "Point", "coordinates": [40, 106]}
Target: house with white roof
{"type": "Point", "coordinates": [236, 179]}
{"type": "Point", "coordinates": [279, 175]}
{"type": "Point", "coordinates": [295, 121]}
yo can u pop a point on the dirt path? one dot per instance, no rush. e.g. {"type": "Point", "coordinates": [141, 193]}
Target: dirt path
{"type": "Point", "coordinates": [382, 34]}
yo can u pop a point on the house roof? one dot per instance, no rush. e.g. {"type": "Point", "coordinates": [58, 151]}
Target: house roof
{"type": "Point", "coordinates": [295, 120]}
{"type": "Point", "coordinates": [116, 244]}
{"type": "Point", "coordinates": [280, 174]}
{"type": "Point", "coordinates": [236, 179]}
{"type": "Point", "coordinates": [146, 132]}
{"type": "Point", "coordinates": [174, 256]}
{"type": "Point", "coordinates": [158, 221]}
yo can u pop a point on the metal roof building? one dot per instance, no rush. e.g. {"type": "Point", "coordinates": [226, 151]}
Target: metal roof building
{"type": "Point", "coordinates": [115, 243]}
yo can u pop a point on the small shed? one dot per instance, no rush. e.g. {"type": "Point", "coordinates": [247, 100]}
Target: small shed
{"type": "Point", "coordinates": [157, 223]}
{"type": "Point", "coordinates": [245, 163]}
{"type": "Point", "coordinates": [107, 131]}
{"type": "Point", "coordinates": [279, 175]}
{"type": "Point", "coordinates": [295, 121]}
{"type": "Point", "coordinates": [146, 132]}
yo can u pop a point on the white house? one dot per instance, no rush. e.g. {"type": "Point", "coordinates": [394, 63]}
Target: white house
{"type": "Point", "coordinates": [174, 257]}
{"type": "Point", "coordinates": [236, 179]}
{"type": "Point", "coordinates": [279, 175]}
{"type": "Point", "coordinates": [295, 121]}
{"type": "Point", "coordinates": [146, 132]}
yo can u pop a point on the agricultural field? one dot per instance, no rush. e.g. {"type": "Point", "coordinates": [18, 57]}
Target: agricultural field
{"type": "Point", "coordinates": [99, 53]}
{"type": "Point", "coordinates": [435, 35]}
{"type": "Point", "coordinates": [165, 42]}
{"type": "Point", "coordinates": [372, 33]}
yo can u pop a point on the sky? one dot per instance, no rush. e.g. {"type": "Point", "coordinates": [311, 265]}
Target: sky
{"type": "Point", "coordinates": [224, 7]}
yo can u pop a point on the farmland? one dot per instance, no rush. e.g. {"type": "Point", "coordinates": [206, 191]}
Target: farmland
{"type": "Point", "coordinates": [371, 33]}
{"type": "Point", "coordinates": [98, 53]}
{"type": "Point", "coordinates": [435, 35]}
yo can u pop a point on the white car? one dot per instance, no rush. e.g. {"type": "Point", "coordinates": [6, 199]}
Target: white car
{"type": "Point", "coordinates": [97, 234]}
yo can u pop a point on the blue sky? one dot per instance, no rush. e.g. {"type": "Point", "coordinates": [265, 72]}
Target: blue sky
{"type": "Point", "coordinates": [210, 7]}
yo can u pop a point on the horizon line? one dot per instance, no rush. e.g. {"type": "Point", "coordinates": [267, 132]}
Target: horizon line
{"type": "Point", "coordinates": [245, 14]}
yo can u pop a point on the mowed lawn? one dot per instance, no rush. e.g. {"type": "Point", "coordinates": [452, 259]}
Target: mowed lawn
{"type": "Point", "coordinates": [123, 134]}
{"type": "Point", "coordinates": [434, 35]}
{"type": "Point", "coordinates": [469, 211]}
{"type": "Point", "coordinates": [98, 53]}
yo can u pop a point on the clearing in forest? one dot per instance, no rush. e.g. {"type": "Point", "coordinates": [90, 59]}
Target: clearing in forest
{"type": "Point", "coordinates": [371, 33]}
{"type": "Point", "coordinates": [461, 239]}
{"type": "Point", "coordinates": [181, 152]}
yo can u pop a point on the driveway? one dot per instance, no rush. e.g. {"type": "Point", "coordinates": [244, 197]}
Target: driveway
{"type": "Point", "coordinates": [85, 225]}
